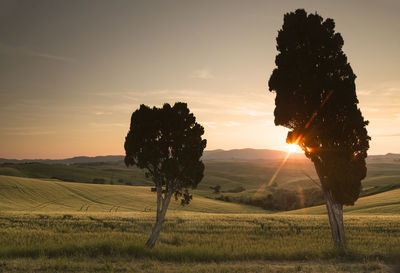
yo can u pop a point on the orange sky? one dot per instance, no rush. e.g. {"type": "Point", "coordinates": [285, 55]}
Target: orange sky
{"type": "Point", "coordinates": [71, 73]}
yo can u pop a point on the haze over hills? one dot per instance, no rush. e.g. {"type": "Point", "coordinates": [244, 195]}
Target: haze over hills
{"type": "Point", "coordinates": [235, 154]}
{"type": "Point", "coordinates": [216, 155]}
{"type": "Point", "coordinates": [248, 154]}
{"type": "Point", "coordinates": [239, 173]}
{"type": "Point", "coordinates": [73, 160]}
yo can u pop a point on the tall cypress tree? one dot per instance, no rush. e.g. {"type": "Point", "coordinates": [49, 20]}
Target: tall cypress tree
{"type": "Point", "coordinates": [316, 99]}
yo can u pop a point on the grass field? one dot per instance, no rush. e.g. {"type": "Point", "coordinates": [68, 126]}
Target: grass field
{"type": "Point", "coordinates": [150, 266]}
{"type": "Point", "coordinates": [50, 226]}
{"type": "Point", "coordinates": [38, 195]}
{"type": "Point", "coordinates": [381, 203]}
{"type": "Point", "coordinates": [112, 173]}
{"type": "Point", "coordinates": [100, 240]}
{"type": "Point", "coordinates": [383, 172]}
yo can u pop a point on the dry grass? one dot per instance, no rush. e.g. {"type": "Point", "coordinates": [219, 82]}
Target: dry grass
{"type": "Point", "coordinates": [38, 195]}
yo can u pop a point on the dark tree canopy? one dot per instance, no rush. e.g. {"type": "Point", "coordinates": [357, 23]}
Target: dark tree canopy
{"type": "Point", "coordinates": [316, 99]}
{"type": "Point", "coordinates": [168, 143]}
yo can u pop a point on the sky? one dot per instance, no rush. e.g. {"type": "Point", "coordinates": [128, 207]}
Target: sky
{"type": "Point", "coordinates": [72, 72]}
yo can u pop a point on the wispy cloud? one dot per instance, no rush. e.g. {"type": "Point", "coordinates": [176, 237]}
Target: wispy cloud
{"type": "Point", "coordinates": [383, 89]}
{"type": "Point", "coordinates": [238, 104]}
{"type": "Point", "coordinates": [22, 50]}
{"type": "Point", "coordinates": [364, 92]}
{"type": "Point", "coordinates": [231, 124]}
{"type": "Point", "coordinates": [204, 74]}
{"type": "Point", "coordinates": [100, 113]}
{"type": "Point", "coordinates": [210, 124]}
{"type": "Point", "coordinates": [25, 131]}
{"type": "Point", "coordinates": [116, 124]}
{"type": "Point", "coordinates": [387, 135]}
{"type": "Point", "coordinates": [49, 56]}
{"type": "Point", "coordinates": [374, 110]}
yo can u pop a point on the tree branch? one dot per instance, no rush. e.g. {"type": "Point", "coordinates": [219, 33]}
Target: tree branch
{"type": "Point", "coordinates": [312, 180]}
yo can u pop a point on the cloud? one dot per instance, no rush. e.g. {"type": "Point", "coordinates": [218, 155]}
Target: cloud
{"type": "Point", "coordinates": [211, 124]}
{"type": "Point", "coordinates": [116, 124]}
{"type": "Point", "coordinates": [207, 103]}
{"type": "Point", "coordinates": [100, 113]}
{"type": "Point", "coordinates": [387, 135]}
{"type": "Point", "coordinates": [371, 109]}
{"type": "Point", "coordinates": [364, 92]}
{"type": "Point", "coordinates": [26, 131]}
{"type": "Point", "coordinates": [385, 89]}
{"type": "Point", "coordinates": [49, 56]}
{"type": "Point", "coordinates": [231, 124]}
{"type": "Point", "coordinates": [204, 74]}
{"type": "Point", "coordinates": [22, 50]}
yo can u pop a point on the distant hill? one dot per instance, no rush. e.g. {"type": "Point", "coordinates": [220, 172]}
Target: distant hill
{"type": "Point", "coordinates": [389, 157]}
{"type": "Point", "coordinates": [247, 169]}
{"type": "Point", "coordinates": [217, 155]}
{"type": "Point", "coordinates": [236, 154]}
{"type": "Point", "coordinates": [248, 154]}
{"type": "Point", "coordinates": [73, 160]}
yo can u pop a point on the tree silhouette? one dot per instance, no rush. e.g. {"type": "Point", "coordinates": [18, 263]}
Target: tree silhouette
{"type": "Point", "coordinates": [316, 99]}
{"type": "Point", "coordinates": [166, 142]}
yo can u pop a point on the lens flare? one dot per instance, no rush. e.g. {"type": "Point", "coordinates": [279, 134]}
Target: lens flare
{"type": "Point", "coordinates": [293, 148]}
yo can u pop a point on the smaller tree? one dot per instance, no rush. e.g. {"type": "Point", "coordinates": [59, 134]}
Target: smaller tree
{"type": "Point", "coordinates": [166, 142]}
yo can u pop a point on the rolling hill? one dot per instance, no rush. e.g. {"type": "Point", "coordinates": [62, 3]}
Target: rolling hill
{"type": "Point", "coordinates": [381, 203]}
{"type": "Point", "coordinates": [235, 154]}
{"type": "Point", "coordinates": [37, 195]}
{"type": "Point", "coordinates": [217, 155]}
{"type": "Point", "coordinates": [244, 169]}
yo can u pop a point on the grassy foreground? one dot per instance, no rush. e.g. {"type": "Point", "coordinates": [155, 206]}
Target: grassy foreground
{"type": "Point", "coordinates": [196, 237]}
{"type": "Point", "coordinates": [151, 266]}
{"type": "Point", "coordinates": [50, 226]}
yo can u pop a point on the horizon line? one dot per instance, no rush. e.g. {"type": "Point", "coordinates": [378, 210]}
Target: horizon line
{"type": "Point", "coordinates": [225, 150]}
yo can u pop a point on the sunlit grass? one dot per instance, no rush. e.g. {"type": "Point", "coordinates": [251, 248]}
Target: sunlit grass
{"type": "Point", "coordinates": [378, 204]}
{"type": "Point", "coordinates": [38, 195]}
{"type": "Point", "coordinates": [196, 237]}
{"type": "Point", "coordinates": [43, 225]}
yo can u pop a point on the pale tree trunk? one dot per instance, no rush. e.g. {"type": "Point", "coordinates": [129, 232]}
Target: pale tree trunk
{"type": "Point", "coordinates": [162, 206]}
{"type": "Point", "coordinates": [335, 211]}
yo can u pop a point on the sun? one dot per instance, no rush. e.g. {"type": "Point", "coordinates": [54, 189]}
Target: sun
{"type": "Point", "coordinates": [293, 148]}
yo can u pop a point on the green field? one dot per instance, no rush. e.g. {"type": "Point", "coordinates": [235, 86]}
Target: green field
{"type": "Point", "coordinates": [63, 226]}
{"type": "Point", "coordinates": [87, 241]}
{"type": "Point", "coordinates": [111, 172]}
{"type": "Point", "coordinates": [51, 225]}
{"type": "Point", "coordinates": [386, 203]}
{"type": "Point", "coordinates": [37, 195]}
{"type": "Point", "coordinates": [383, 174]}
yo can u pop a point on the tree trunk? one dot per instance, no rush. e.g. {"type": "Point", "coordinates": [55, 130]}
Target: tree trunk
{"type": "Point", "coordinates": [335, 210]}
{"type": "Point", "coordinates": [154, 234]}
{"type": "Point", "coordinates": [162, 206]}
{"type": "Point", "coordinates": [335, 213]}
